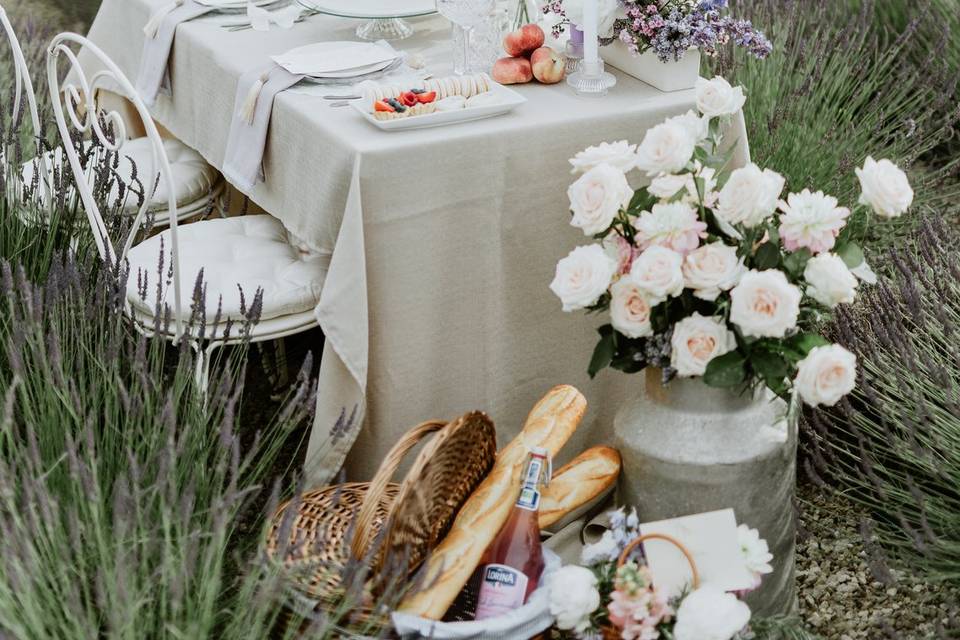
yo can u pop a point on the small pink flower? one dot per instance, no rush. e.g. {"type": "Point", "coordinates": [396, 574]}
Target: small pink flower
{"type": "Point", "coordinates": [622, 251]}
{"type": "Point", "coordinates": [812, 221]}
{"type": "Point", "coordinates": [674, 226]}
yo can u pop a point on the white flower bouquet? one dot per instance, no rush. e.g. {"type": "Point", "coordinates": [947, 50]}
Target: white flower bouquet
{"type": "Point", "coordinates": [615, 597]}
{"type": "Point", "coordinates": [708, 272]}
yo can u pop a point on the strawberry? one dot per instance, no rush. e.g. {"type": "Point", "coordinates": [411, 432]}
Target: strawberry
{"type": "Point", "coordinates": [427, 98]}
{"type": "Point", "coordinates": [380, 105]}
{"type": "Point", "coordinates": [409, 98]}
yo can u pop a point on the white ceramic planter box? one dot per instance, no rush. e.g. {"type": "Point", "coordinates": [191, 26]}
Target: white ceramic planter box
{"type": "Point", "coordinates": [665, 76]}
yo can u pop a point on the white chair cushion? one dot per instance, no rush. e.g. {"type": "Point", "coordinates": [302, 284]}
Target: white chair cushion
{"type": "Point", "coordinates": [250, 251]}
{"type": "Point", "coordinates": [193, 177]}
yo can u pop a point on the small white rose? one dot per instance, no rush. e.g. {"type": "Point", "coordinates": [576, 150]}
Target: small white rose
{"type": "Point", "coordinates": [750, 195]}
{"type": "Point", "coordinates": [630, 309]}
{"type": "Point", "coordinates": [667, 148]}
{"type": "Point", "coordinates": [717, 98]}
{"type": "Point", "coordinates": [621, 155]}
{"type": "Point", "coordinates": [659, 272]}
{"type": "Point", "coordinates": [709, 613]}
{"type": "Point", "coordinates": [712, 269]}
{"type": "Point", "coordinates": [698, 126]}
{"type": "Point", "coordinates": [667, 185]}
{"type": "Point", "coordinates": [885, 187]}
{"type": "Point", "coordinates": [606, 549]}
{"type": "Point", "coordinates": [765, 304]}
{"type": "Point", "coordinates": [573, 596]}
{"type": "Point", "coordinates": [826, 375]}
{"type": "Point", "coordinates": [830, 281]}
{"type": "Point", "coordinates": [756, 552]}
{"type": "Point", "coordinates": [597, 197]}
{"type": "Point", "coordinates": [696, 341]}
{"type": "Point", "coordinates": [583, 276]}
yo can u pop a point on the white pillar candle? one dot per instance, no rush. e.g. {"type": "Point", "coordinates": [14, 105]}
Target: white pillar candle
{"type": "Point", "coordinates": [591, 53]}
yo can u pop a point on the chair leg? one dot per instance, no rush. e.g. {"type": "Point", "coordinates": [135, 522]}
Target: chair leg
{"type": "Point", "coordinates": [202, 366]}
{"type": "Point", "coordinates": [283, 369]}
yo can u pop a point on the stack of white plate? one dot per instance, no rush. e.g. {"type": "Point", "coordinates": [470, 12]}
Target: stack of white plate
{"type": "Point", "coordinates": [239, 6]}
{"type": "Point", "coordinates": [340, 61]}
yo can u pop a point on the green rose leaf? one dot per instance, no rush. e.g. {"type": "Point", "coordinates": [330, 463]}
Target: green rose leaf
{"type": "Point", "coordinates": [603, 353]}
{"type": "Point", "coordinates": [852, 254]}
{"type": "Point", "coordinates": [770, 366]}
{"type": "Point", "coordinates": [807, 342]}
{"type": "Point", "coordinates": [767, 256]}
{"type": "Point", "coordinates": [796, 262]}
{"type": "Point", "coordinates": [727, 371]}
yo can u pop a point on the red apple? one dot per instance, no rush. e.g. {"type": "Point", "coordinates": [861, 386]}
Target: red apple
{"type": "Point", "coordinates": [548, 66]}
{"type": "Point", "coordinates": [524, 40]}
{"type": "Point", "coordinates": [512, 71]}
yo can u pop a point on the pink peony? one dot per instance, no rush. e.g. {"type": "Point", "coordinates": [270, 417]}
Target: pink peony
{"type": "Point", "coordinates": [618, 248]}
{"type": "Point", "coordinates": [812, 221]}
{"type": "Point", "coordinates": [674, 226]}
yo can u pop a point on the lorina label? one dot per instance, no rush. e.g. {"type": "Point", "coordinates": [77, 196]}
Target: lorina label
{"type": "Point", "coordinates": [502, 589]}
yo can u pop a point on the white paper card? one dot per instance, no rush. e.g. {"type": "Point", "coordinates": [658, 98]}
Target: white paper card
{"type": "Point", "coordinates": [325, 57]}
{"type": "Point", "coordinates": [711, 538]}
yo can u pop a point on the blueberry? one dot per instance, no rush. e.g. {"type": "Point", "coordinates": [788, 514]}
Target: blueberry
{"type": "Point", "coordinates": [418, 91]}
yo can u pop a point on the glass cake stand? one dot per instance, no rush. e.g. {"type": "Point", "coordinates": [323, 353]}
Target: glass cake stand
{"type": "Point", "coordinates": [385, 19]}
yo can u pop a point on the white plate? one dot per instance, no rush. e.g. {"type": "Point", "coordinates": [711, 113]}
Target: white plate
{"type": "Point", "coordinates": [508, 101]}
{"type": "Point", "coordinates": [236, 4]}
{"type": "Point", "coordinates": [321, 58]}
{"type": "Point", "coordinates": [374, 8]}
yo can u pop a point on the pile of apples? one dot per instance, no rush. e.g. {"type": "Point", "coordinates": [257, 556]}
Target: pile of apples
{"type": "Point", "coordinates": [528, 59]}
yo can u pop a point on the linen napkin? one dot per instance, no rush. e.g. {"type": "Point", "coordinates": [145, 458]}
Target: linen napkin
{"type": "Point", "coordinates": [160, 31]}
{"type": "Point", "coordinates": [253, 107]}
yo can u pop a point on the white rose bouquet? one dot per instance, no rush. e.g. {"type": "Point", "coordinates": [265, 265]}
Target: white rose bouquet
{"type": "Point", "coordinates": [603, 599]}
{"type": "Point", "coordinates": [715, 273]}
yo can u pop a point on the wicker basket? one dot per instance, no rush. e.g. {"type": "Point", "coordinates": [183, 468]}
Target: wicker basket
{"type": "Point", "coordinates": [611, 632]}
{"type": "Point", "coordinates": [318, 535]}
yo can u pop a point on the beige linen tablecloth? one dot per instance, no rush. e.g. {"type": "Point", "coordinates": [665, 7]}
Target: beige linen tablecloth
{"type": "Point", "coordinates": [443, 240]}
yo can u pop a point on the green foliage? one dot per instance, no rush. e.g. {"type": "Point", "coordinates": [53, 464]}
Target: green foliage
{"type": "Point", "coordinates": [845, 82]}
{"type": "Point", "coordinates": [895, 446]}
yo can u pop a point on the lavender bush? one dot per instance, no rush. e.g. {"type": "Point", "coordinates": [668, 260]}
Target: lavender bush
{"type": "Point", "coordinates": [837, 88]}
{"type": "Point", "coordinates": [895, 444]}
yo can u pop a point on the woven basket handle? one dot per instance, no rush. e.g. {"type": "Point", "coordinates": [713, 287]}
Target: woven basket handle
{"type": "Point", "coordinates": [368, 511]}
{"type": "Point", "coordinates": [662, 536]}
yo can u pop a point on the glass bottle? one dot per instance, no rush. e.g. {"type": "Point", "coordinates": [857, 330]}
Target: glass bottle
{"type": "Point", "coordinates": [511, 566]}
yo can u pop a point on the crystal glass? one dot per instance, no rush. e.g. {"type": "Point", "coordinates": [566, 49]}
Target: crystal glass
{"type": "Point", "coordinates": [484, 42]}
{"type": "Point", "coordinates": [467, 14]}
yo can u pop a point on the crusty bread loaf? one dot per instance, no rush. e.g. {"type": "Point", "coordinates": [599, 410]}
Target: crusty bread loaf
{"type": "Point", "coordinates": [581, 480]}
{"type": "Point", "coordinates": [549, 425]}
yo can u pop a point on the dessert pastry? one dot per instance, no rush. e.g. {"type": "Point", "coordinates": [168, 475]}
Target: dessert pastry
{"type": "Point", "coordinates": [443, 94]}
{"type": "Point", "coordinates": [451, 103]}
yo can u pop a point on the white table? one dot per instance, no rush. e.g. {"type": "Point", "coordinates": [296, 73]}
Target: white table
{"type": "Point", "coordinates": [443, 241]}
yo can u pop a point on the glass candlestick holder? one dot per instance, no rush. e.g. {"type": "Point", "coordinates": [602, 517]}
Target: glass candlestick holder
{"type": "Point", "coordinates": [591, 80]}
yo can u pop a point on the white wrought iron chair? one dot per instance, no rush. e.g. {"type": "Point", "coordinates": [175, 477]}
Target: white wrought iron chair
{"type": "Point", "coordinates": [248, 265]}
{"type": "Point", "coordinates": [197, 185]}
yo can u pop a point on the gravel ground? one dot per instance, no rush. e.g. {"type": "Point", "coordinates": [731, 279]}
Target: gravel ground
{"type": "Point", "coordinates": [842, 599]}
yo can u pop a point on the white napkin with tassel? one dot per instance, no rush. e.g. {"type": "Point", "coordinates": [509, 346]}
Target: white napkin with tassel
{"type": "Point", "coordinates": [253, 107]}
{"type": "Point", "coordinates": [159, 33]}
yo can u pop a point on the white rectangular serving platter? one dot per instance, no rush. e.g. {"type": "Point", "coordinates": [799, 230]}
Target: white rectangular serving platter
{"type": "Point", "coordinates": [508, 100]}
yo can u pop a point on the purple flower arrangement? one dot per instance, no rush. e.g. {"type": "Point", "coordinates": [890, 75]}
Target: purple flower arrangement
{"type": "Point", "coordinates": [672, 27]}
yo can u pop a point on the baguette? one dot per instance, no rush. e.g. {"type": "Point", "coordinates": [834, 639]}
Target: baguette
{"type": "Point", "coordinates": [587, 476]}
{"type": "Point", "coordinates": [549, 425]}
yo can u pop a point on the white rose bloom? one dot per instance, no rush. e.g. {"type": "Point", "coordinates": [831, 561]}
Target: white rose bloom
{"type": "Point", "coordinates": [630, 309]}
{"type": "Point", "coordinates": [696, 341]}
{"type": "Point", "coordinates": [621, 155]}
{"type": "Point", "coordinates": [717, 98]}
{"type": "Point", "coordinates": [712, 269]}
{"type": "Point", "coordinates": [750, 195]}
{"type": "Point", "coordinates": [756, 551]}
{"type": "Point", "coordinates": [709, 613]}
{"type": "Point", "coordinates": [826, 375]}
{"type": "Point", "coordinates": [666, 186]}
{"type": "Point", "coordinates": [885, 187]}
{"type": "Point", "coordinates": [659, 272]}
{"type": "Point", "coordinates": [583, 276]}
{"type": "Point", "coordinates": [597, 197]}
{"type": "Point", "coordinates": [765, 304]}
{"type": "Point", "coordinates": [830, 281]}
{"type": "Point", "coordinates": [698, 126]}
{"type": "Point", "coordinates": [573, 597]}
{"type": "Point", "coordinates": [605, 549]}
{"type": "Point", "coordinates": [667, 148]}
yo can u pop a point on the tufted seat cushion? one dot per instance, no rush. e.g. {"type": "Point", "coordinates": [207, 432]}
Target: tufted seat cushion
{"type": "Point", "coordinates": [193, 177]}
{"type": "Point", "coordinates": [249, 251]}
